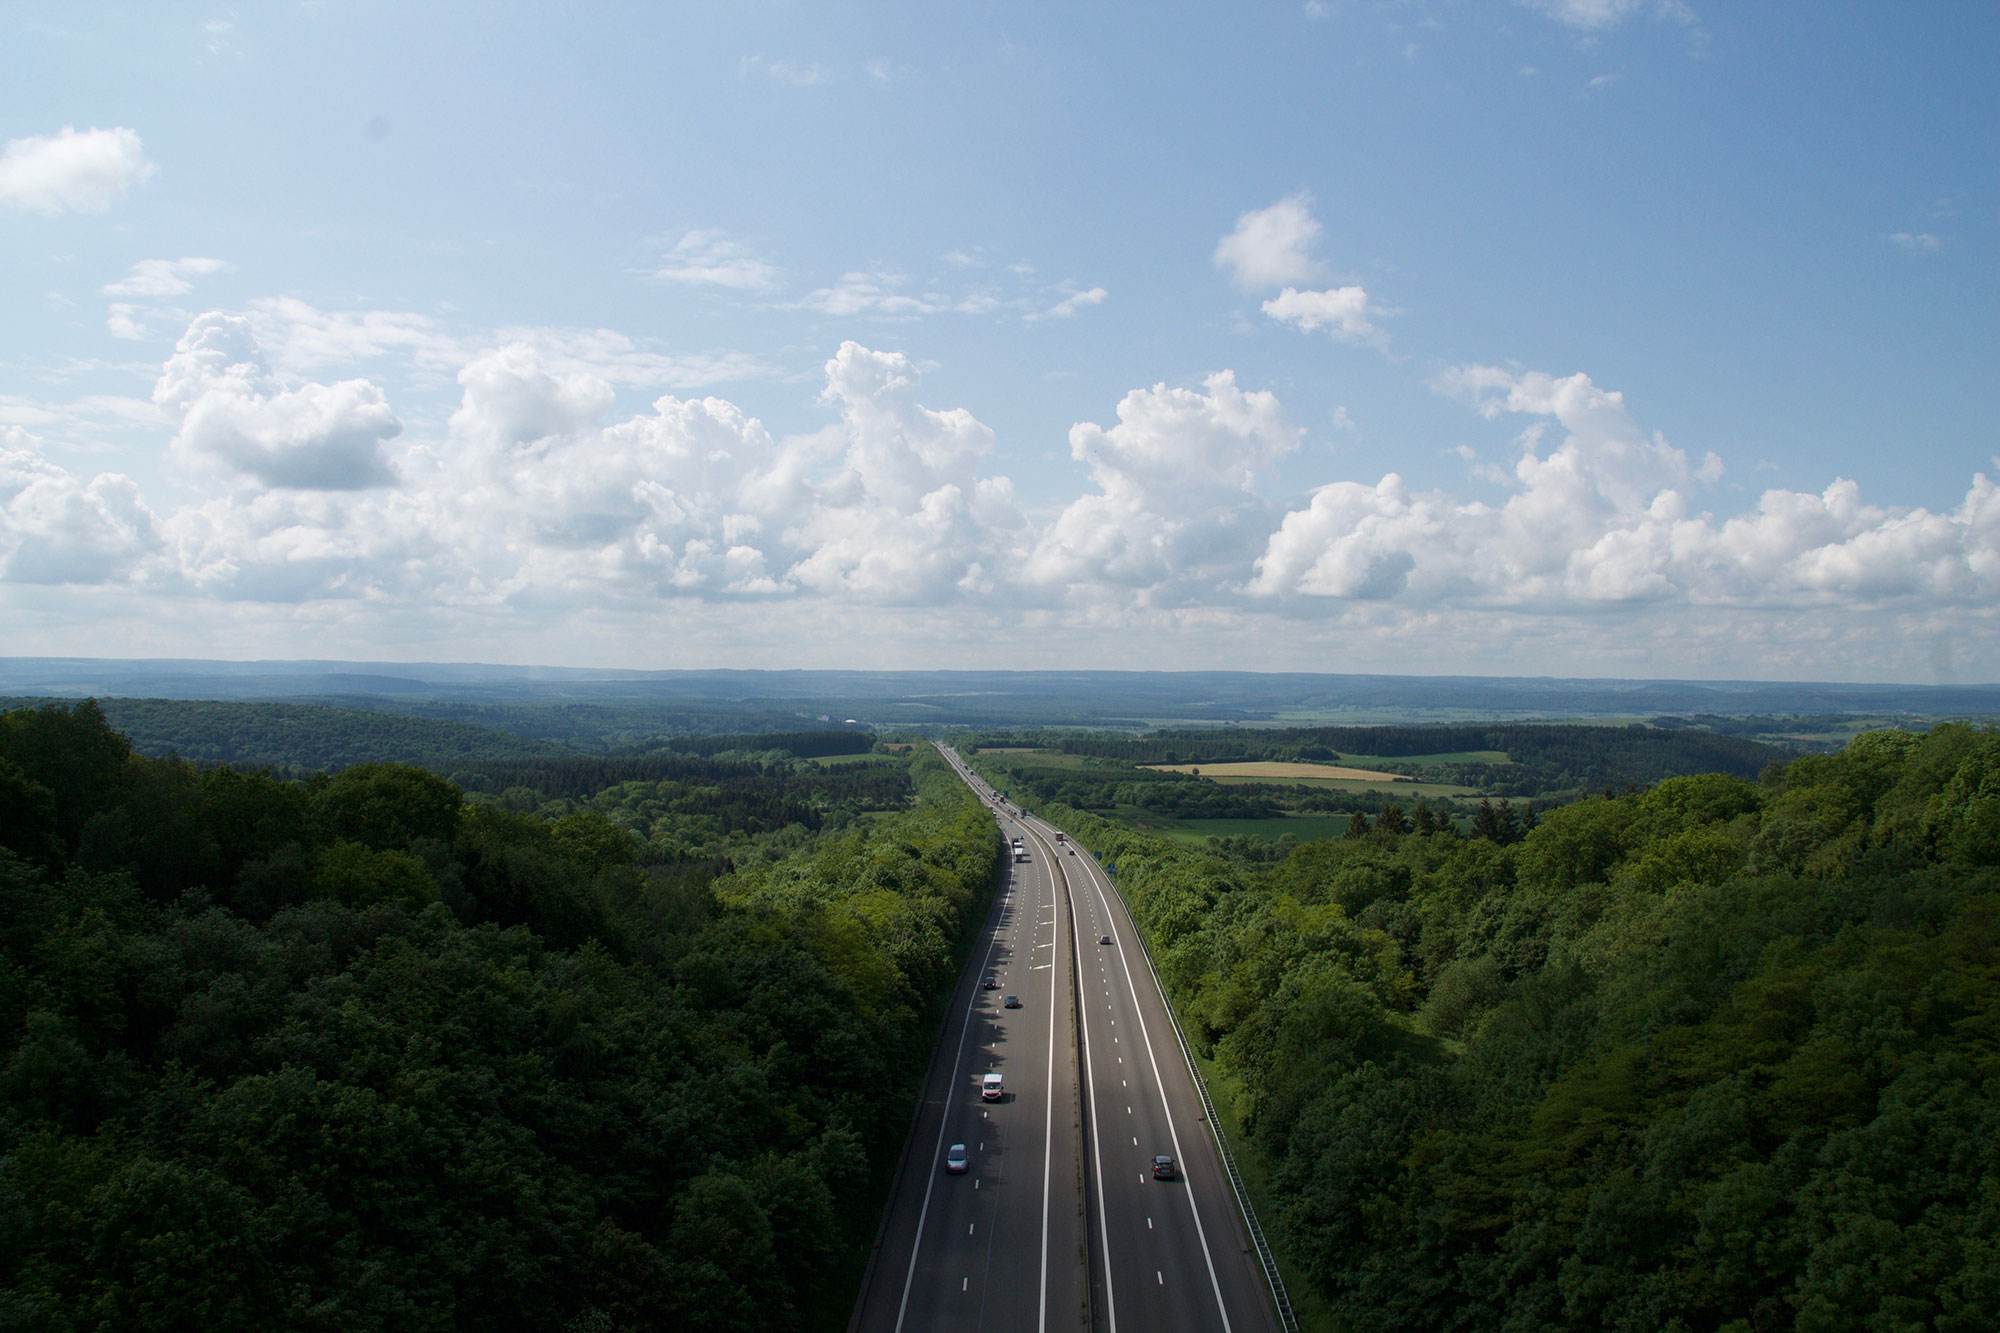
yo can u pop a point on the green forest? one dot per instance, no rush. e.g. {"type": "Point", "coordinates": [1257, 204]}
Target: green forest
{"type": "Point", "coordinates": [1719, 1055]}
{"type": "Point", "coordinates": [1536, 763]}
{"type": "Point", "coordinates": [461, 741]}
{"type": "Point", "coordinates": [364, 1051]}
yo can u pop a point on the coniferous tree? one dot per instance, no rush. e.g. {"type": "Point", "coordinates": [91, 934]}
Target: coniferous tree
{"type": "Point", "coordinates": [1422, 819]}
{"type": "Point", "coordinates": [1486, 822]}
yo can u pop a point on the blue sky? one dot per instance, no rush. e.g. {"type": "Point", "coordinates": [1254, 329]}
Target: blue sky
{"type": "Point", "coordinates": [1593, 337]}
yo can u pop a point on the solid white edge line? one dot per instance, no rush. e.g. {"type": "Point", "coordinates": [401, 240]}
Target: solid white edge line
{"type": "Point", "coordinates": [1049, 1123]}
{"type": "Point", "coordinates": [917, 1244]}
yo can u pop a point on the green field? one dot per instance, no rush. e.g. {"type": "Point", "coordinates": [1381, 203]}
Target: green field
{"type": "Point", "coordinates": [1402, 790]}
{"type": "Point", "coordinates": [854, 760]}
{"type": "Point", "coordinates": [1450, 757]}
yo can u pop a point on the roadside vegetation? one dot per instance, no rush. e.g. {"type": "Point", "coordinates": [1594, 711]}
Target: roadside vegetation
{"type": "Point", "coordinates": [366, 1052]}
{"type": "Point", "coordinates": [1719, 1054]}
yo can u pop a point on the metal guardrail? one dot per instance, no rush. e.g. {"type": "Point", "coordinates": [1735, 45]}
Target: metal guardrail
{"type": "Point", "coordinates": [1279, 1297]}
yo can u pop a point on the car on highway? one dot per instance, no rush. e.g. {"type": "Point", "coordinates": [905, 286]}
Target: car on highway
{"type": "Point", "coordinates": [992, 983]}
{"type": "Point", "coordinates": [954, 1160]}
{"type": "Point", "coordinates": [990, 1089]}
{"type": "Point", "coordinates": [1104, 939]}
{"type": "Point", "coordinates": [1013, 1002]}
{"type": "Point", "coordinates": [1163, 1167]}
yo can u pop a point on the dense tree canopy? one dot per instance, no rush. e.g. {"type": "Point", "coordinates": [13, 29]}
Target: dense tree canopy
{"type": "Point", "coordinates": [1719, 1055]}
{"type": "Point", "coordinates": [361, 1054]}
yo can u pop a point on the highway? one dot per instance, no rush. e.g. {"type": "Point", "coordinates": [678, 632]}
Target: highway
{"type": "Point", "coordinates": [1002, 1246]}
{"type": "Point", "coordinates": [1059, 1223]}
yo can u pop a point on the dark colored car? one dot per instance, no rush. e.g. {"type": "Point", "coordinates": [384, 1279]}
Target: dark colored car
{"type": "Point", "coordinates": [992, 983]}
{"type": "Point", "coordinates": [1104, 939]}
{"type": "Point", "coordinates": [1013, 1002]}
{"type": "Point", "coordinates": [1163, 1167]}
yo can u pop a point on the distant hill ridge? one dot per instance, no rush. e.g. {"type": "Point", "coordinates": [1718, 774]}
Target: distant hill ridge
{"type": "Point", "coordinates": [784, 699]}
{"type": "Point", "coordinates": [310, 737]}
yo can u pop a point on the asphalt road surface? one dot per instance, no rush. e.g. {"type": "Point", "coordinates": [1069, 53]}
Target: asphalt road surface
{"type": "Point", "coordinates": [1059, 1223]}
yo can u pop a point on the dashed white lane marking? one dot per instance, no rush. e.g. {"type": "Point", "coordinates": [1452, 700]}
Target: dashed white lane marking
{"type": "Point", "coordinates": [1135, 1143]}
{"type": "Point", "coordinates": [1149, 1224]}
{"type": "Point", "coordinates": [964, 1282]}
{"type": "Point", "coordinates": [968, 1228]}
{"type": "Point", "coordinates": [1156, 1274]}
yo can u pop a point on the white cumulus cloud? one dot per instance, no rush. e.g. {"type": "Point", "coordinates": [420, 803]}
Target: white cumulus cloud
{"type": "Point", "coordinates": [55, 529]}
{"type": "Point", "coordinates": [72, 171]}
{"type": "Point", "coordinates": [1176, 504]}
{"type": "Point", "coordinates": [237, 415]}
{"type": "Point", "coordinates": [540, 498]}
{"type": "Point", "coordinates": [1606, 519]}
{"type": "Point", "coordinates": [1272, 246]}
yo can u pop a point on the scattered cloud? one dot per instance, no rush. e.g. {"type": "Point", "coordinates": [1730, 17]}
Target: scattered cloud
{"type": "Point", "coordinates": [72, 171]}
{"type": "Point", "coordinates": [1600, 82]}
{"type": "Point", "coordinates": [1272, 246]}
{"type": "Point", "coordinates": [220, 37]}
{"type": "Point", "coordinates": [150, 282]}
{"type": "Point", "coordinates": [1915, 242]}
{"type": "Point", "coordinates": [793, 73]}
{"type": "Point", "coordinates": [711, 258]}
{"type": "Point", "coordinates": [1586, 15]}
{"type": "Point", "coordinates": [300, 338]}
{"type": "Point", "coordinates": [1342, 311]}
{"type": "Point", "coordinates": [163, 277]}
{"type": "Point", "coordinates": [872, 292]}
{"type": "Point", "coordinates": [1069, 305]}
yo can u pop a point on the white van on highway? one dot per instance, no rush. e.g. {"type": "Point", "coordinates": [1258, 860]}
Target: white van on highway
{"type": "Point", "coordinates": [989, 1088]}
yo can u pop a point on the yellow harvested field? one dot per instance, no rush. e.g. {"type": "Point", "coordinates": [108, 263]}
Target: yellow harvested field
{"type": "Point", "coordinates": [1274, 769]}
